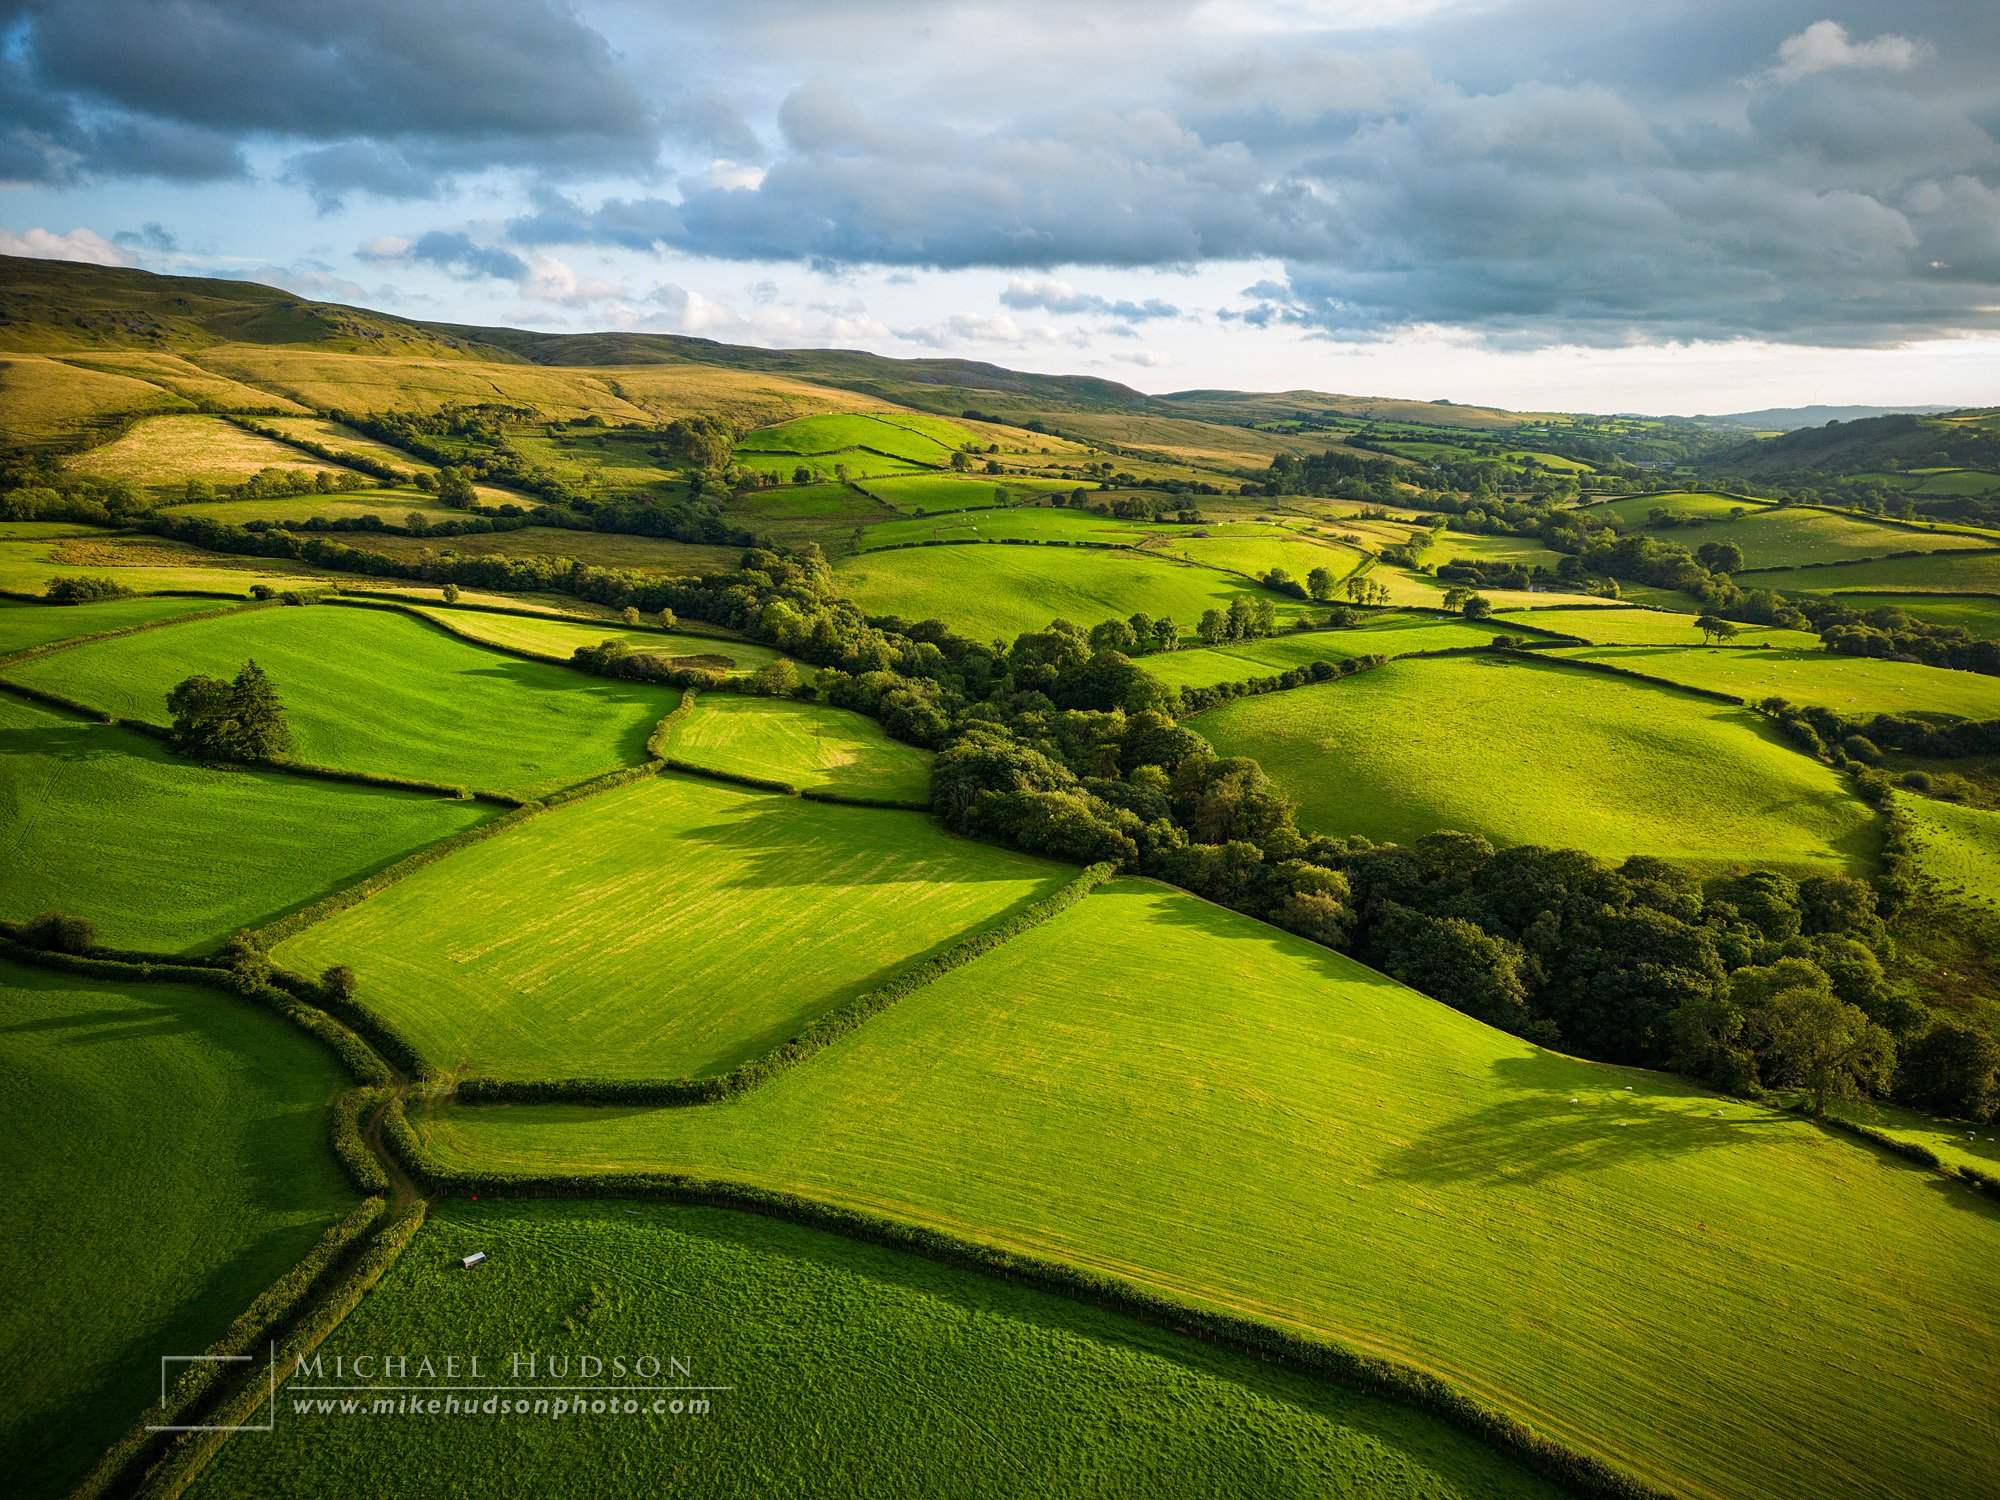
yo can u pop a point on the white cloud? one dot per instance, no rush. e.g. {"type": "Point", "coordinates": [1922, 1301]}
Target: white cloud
{"type": "Point", "coordinates": [86, 245]}
{"type": "Point", "coordinates": [385, 247]}
{"type": "Point", "coordinates": [1824, 46]}
{"type": "Point", "coordinates": [553, 280]}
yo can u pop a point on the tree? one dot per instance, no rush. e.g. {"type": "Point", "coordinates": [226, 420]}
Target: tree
{"type": "Point", "coordinates": [451, 593]}
{"type": "Point", "coordinates": [630, 615]}
{"type": "Point", "coordinates": [337, 981]}
{"type": "Point", "coordinates": [1951, 1069]}
{"type": "Point", "coordinates": [1319, 583]}
{"type": "Point", "coordinates": [960, 462]}
{"type": "Point", "coordinates": [1808, 1036]}
{"type": "Point", "coordinates": [775, 679]}
{"type": "Point", "coordinates": [240, 721]}
{"type": "Point", "coordinates": [1456, 961]}
{"type": "Point", "coordinates": [1719, 557]}
{"type": "Point", "coordinates": [53, 932]}
{"type": "Point", "coordinates": [455, 489]}
{"type": "Point", "coordinates": [1477, 607]}
{"type": "Point", "coordinates": [1714, 628]}
{"type": "Point", "coordinates": [1213, 624]}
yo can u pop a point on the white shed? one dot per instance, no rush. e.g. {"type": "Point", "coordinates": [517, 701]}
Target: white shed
{"type": "Point", "coordinates": [473, 1259]}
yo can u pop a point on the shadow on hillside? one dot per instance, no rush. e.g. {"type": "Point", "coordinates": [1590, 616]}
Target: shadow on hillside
{"type": "Point", "coordinates": [95, 1028]}
{"type": "Point", "coordinates": [773, 833]}
{"type": "Point", "coordinates": [1557, 1117]}
{"type": "Point", "coordinates": [67, 740]}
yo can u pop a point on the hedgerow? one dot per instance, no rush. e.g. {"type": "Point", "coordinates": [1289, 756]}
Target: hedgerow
{"type": "Point", "coordinates": [815, 1037]}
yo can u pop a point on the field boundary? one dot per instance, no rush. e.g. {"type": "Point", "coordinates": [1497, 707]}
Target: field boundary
{"type": "Point", "coordinates": [1315, 1355]}
{"type": "Point", "coordinates": [814, 1037]}
{"type": "Point", "coordinates": [49, 648]}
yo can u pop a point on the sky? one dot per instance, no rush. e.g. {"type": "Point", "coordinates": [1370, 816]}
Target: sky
{"type": "Point", "coordinates": [1683, 206]}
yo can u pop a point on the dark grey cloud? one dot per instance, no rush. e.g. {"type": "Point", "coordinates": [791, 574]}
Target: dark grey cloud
{"type": "Point", "coordinates": [1828, 184]}
{"type": "Point", "coordinates": [382, 95]}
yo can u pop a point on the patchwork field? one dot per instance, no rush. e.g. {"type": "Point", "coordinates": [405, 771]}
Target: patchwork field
{"type": "Point", "coordinates": [1519, 751]}
{"type": "Point", "coordinates": [1644, 627]}
{"type": "Point", "coordinates": [927, 441]}
{"type": "Point", "coordinates": [1851, 685]}
{"type": "Point", "coordinates": [600, 549]}
{"type": "Point", "coordinates": [998, 592]}
{"type": "Point", "coordinates": [168, 1144]}
{"type": "Point", "coordinates": [1957, 848]}
{"type": "Point", "coordinates": [162, 453]}
{"type": "Point", "coordinates": [1942, 572]}
{"type": "Point", "coordinates": [1390, 635]}
{"type": "Point", "coordinates": [671, 927]}
{"type": "Point", "coordinates": [1794, 536]}
{"type": "Point", "coordinates": [563, 637]}
{"type": "Point", "coordinates": [935, 492]}
{"type": "Point", "coordinates": [1038, 523]}
{"type": "Point", "coordinates": [1980, 615]}
{"type": "Point", "coordinates": [374, 690]}
{"type": "Point", "coordinates": [106, 824]}
{"type": "Point", "coordinates": [1101, 1090]}
{"type": "Point", "coordinates": [853, 1371]}
{"type": "Point", "coordinates": [1246, 547]}
{"type": "Point", "coordinates": [139, 563]}
{"type": "Point", "coordinates": [45, 403]}
{"type": "Point", "coordinates": [25, 625]}
{"type": "Point", "coordinates": [806, 745]}
{"type": "Point", "coordinates": [391, 506]}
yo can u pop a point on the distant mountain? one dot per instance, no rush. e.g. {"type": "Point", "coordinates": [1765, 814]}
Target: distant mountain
{"type": "Point", "coordinates": [1791, 418]}
{"type": "Point", "coordinates": [1899, 441]}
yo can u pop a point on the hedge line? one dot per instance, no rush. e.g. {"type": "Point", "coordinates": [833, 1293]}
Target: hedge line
{"type": "Point", "coordinates": [816, 1036]}
{"type": "Point", "coordinates": [351, 1147]}
{"type": "Point", "coordinates": [681, 627]}
{"type": "Point", "coordinates": [371, 778]}
{"type": "Point", "coordinates": [758, 783]}
{"type": "Point", "coordinates": [369, 1030]}
{"type": "Point", "coordinates": [843, 799]}
{"type": "Point", "coordinates": [1712, 694]}
{"type": "Point", "coordinates": [1984, 1182]}
{"type": "Point", "coordinates": [1318, 1356]}
{"type": "Point", "coordinates": [656, 742]}
{"type": "Point", "coordinates": [57, 700]}
{"type": "Point", "coordinates": [185, 1461]}
{"type": "Point", "coordinates": [120, 1470]}
{"type": "Point", "coordinates": [1842, 562]}
{"type": "Point", "coordinates": [1199, 700]}
{"type": "Point", "coordinates": [50, 647]}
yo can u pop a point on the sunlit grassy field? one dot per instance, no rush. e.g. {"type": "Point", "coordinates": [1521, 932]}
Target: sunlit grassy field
{"type": "Point", "coordinates": [47, 402]}
{"type": "Point", "coordinates": [1527, 753]}
{"type": "Point", "coordinates": [25, 625]}
{"type": "Point", "coordinates": [372, 690]}
{"type": "Point", "coordinates": [1173, 1094]}
{"type": "Point", "coordinates": [1645, 627]}
{"type": "Point", "coordinates": [391, 506]}
{"type": "Point", "coordinates": [1945, 572]}
{"type": "Point", "coordinates": [806, 745]}
{"type": "Point", "coordinates": [1981, 616]}
{"type": "Point", "coordinates": [1956, 847]}
{"type": "Point", "coordinates": [139, 563]}
{"type": "Point", "coordinates": [162, 453]}
{"type": "Point", "coordinates": [853, 1371]}
{"type": "Point", "coordinates": [1000, 591]}
{"type": "Point", "coordinates": [1853, 685]}
{"type": "Point", "coordinates": [166, 1160]}
{"type": "Point", "coordinates": [927, 441]}
{"type": "Point", "coordinates": [1237, 661]}
{"type": "Point", "coordinates": [936, 492]}
{"type": "Point", "coordinates": [163, 854]}
{"type": "Point", "coordinates": [602, 549]}
{"type": "Point", "coordinates": [563, 637]}
{"type": "Point", "coordinates": [671, 927]}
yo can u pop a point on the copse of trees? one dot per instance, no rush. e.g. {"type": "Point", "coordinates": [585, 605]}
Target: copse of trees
{"type": "Point", "coordinates": [241, 720]}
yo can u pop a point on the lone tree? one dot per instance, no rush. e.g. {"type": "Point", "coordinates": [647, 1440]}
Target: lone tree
{"type": "Point", "coordinates": [240, 721]}
{"type": "Point", "coordinates": [1714, 628]}
{"type": "Point", "coordinates": [1319, 583]}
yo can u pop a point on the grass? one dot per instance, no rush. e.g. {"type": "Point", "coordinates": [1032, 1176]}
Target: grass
{"type": "Point", "coordinates": [162, 453]}
{"type": "Point", "coordinates": [162, 854]}
{"type": "Point", "coordinates": [1239, 660]}
{"type": "Point", "coordinates": [1632, 511]}
{"type": "Point", "coordinates": [804, 502]}
{"type": "Point", "coordinates": [1173, 1094]}
{"type": "Point", "coordinates": [140, 563]}
{"type": "Point", "coordinates": [370, 690]}
{"type": "Point", "coordinates": [1955, 1142]}
{"type": "Point", "coordinates": [1528, 753]}
{"type": "Point", "coordinates": [670, 927]}
{"type": "Point", "coordinates": [853, 1371]}
{"type": "Point", "coordinates": [391, 505]}
{"type": "Point", "coordinates": [1942, 572]}
{"type": "Point", "coordinates": [1790, 537]}
{"type": "Point", "coordinates": [1524, 550]}
{"type": "Point", "coordinates": [824, 467]}
{"type": "Point", "coordinates": [1971, 612]}
{"type": "Point", "coordinates": [935, 492]}
{"type": "Point", "coordinates": [989, 592]}
{"type": "Point", "coordinates": [601, 549]}
{"type": "Point", "coordinates": [1643, 627]}
{"type": "Point", "coordinates": [1852, 685]}
{"type": "Point", "coordinates": [1956, 848]}
{"type": "Point", "coordinates": [166, 1161]}
{"type": "Point", "coordinates": [1255, 550]}
{"type": "Point", "coordinates": [1041, 523]}
{"type": "Point", "coordinates": [927, 441]}
{"type": "Point", "coordinates": [803, 744]}
{"type": "Point", "coordinates": [45, 403]}
{"type": "Point", "coordinates": [562, 637]}
{"type": "Point", "coordinates": [26, 625]}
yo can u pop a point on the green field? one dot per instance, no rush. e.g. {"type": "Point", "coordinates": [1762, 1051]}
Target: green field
{"type": "Point", "coordinates": [599, 549]}
{"type": "Point", "coordinates": [1527, 753]}
{"type": "Point", "coordinates": [1040, 523]}
{"type": "Point", "coordinates": [1170, 1093]}
{"type": "Point", "coordinates": [1527, 551]}
{"type": "Point", "coordinates": [671, 927]}
{"type": "Point", "coordinates": [391, 506]}
{"type": "Point", "coordinates": [1956, 848]}
{"type": "Point", "coordinates": [1644, 627]}
{"type": "Point", "coordinates": [142, 564]}
{"type": "Point", "coordinates": [1945, 572]}
{"type": "Point", "coordinates": [162, 453]}
{"type": "Point", "coordinates": [935, 492]}
{"type": "Point", "coordinates": [853, 1371]}
{"type": "Point", "coordinates": [162, 854]}
{"type": "Point", "coordinates": [374, 690]}
{"type": "Point", "coordinates": [1631, 510]}
{"type": "Point", "coordinates": [805, 745]}
{"type": "Point", "coordinates": [1793, 536]}
{"type": "Point", "coordinates": [998, 592]}
{"type": "Point", "coordinates": [25, 625]}
{"type": "Point", "coordinates": [562, 637]}
{"type": "Point", "coordinates": [1249, 548]}
{"type": "Point", "coordinates": [1852, 685]}
{"type": "Point", "coordinates": [804, 502]}
{"type": "Point", "coordinates": [166, 1160]}
{"type": "Point", "coordinates": [1389, 635]}
{"type": "Point", "coordinates": [904, 435]}
{"type": "Point", "coordinates": [1980, 615]}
